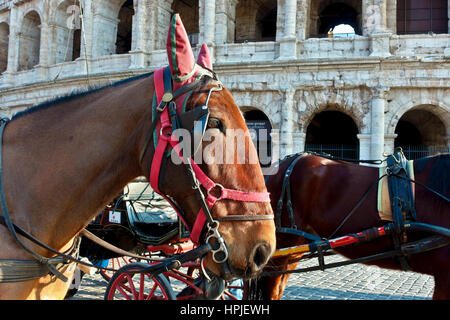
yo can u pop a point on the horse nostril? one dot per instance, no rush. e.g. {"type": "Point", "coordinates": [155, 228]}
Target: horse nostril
{"type": "Point", "coordinates": [259, 255]}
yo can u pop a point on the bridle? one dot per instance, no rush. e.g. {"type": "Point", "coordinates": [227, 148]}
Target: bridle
{"type": "Point", "coordinates": [169, 120]}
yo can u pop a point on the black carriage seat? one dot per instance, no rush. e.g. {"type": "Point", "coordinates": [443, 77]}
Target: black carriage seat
{"type": "Point", "coordinates": [151, 217]}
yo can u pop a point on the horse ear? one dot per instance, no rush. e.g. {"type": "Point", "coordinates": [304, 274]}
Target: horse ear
{"type": "Point", "coordinates": [204, 58]}
{"type": "Point", "coordinates": [179, 51]}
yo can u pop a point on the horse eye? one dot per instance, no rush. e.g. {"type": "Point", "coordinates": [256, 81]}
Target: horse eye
{"type": "Point", "coordinates": [214, 123]}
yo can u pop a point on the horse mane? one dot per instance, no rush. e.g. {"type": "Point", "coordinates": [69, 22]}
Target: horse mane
{"type": "Point", "coordinates": [76, 94]}
{"type": "Point", "coordinates": [323, 155]}
{"type": "Point", "coordinates": [439, 178]}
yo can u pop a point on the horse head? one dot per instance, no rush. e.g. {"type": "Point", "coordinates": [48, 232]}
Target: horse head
{"type": "Point", "coordinates": [213, 172]}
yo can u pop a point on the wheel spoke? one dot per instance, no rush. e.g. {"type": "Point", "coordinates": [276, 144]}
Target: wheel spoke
{"type": "Point", "coordinates": [132, 288]}
{"type": "Point", "coordinates": [120, 287]}
{"type": "Point", "coordinates": [126, 285]}
{"type": "Point", "coordinates": [152, 292]}
{"type": "Point", "coordinates": [141, 286]}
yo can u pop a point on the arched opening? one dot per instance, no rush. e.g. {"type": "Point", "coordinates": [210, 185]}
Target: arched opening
{"type": "Point", "coordinates": [259, 126]}
{"type": "Point", "coordinates": [189, 11]}
{"type": "Point", "coordinates": [420, 133]}
{"type": "Point", "coordinates": [336, 14]}
{"type": "Point", "coordinates": [266, 22]}
{"type": "Point", "coordinates": [76, 48]}
{"type": "Point", "coordinates": [326, 15]}
{"type": "Point", "coordinates": [29, 41]}
{"type": "Point", "coordinates": [256, 21]}
{"type": "Point", "coordinates": [125, 28]}
{"type": "Point", "coordinates": [4, 41]}
{"type": "Point", "coordinates": [333, 132]}
{"type": "Point", "coordinates": [66, 32]}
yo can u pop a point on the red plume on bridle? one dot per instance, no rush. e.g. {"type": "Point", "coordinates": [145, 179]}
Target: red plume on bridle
{"type": "Point", "coordinates": [204, 58]}
{"type": "Point", "coordinates": [179, 51]}
{"type": "Point", "coordinates": [186, 76]}
{"type": "Point", "coordinates": [183, 66]}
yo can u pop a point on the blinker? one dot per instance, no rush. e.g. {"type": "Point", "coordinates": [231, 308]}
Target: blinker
{"type": "Point", "coordinates": [195, 121]}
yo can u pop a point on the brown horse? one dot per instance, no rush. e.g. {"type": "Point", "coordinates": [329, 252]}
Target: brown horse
{"type": "Point", "coordinates": [325, 191]}
{"type": "Point", "coordinates": [64, 160]}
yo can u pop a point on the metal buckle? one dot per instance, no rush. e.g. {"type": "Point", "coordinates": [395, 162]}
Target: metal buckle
{"type": "Point", "coordinates": [161, 106]}
{"type": "Point", "coordinates": [218, 247]}
{"type": "Point", "coordinates": [163, 134]}
{"type": "Point", "coordinates": [221, 188]}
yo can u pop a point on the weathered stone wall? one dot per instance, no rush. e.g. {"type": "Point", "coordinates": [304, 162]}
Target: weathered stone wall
{"type": "Point", "coordinates": [375, 77]}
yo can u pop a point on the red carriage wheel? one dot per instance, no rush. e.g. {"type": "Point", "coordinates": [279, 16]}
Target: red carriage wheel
{"type": "Point", "coordinates": [114, 263]}
{"type": "Point", "coordinates": [127, 285]}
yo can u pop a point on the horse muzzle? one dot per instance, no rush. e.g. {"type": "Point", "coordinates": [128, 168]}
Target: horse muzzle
{"type": "Point", "coordinates": [257, 258]}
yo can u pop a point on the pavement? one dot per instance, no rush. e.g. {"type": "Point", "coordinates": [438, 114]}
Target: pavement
{"type": "Point", "coordinates": [358, 282]}
{"type": "Point", "coordinates": [351, 282]}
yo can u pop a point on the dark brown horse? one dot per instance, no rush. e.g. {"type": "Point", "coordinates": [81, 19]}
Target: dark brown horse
{"type": "Point", "coordinates": [325, 191]}
{"type": "Point", "coordinates": [63, 161]}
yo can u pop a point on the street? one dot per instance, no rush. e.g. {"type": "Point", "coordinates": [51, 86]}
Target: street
{"type": "Point", "coordinates": [352, 282]}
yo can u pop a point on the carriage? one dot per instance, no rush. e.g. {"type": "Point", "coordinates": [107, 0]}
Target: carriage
{"type": "Point", "coordinates": [141, 222]}
{"type": "Point", "coordinates": [155, 232]}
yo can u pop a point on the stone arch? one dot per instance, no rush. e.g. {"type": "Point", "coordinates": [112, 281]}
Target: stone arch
{"type": "Point", "coordinates": [422, 130]}
{"type": "Point", "coordinates": [326, 14]}
{"type": "Point", "coordinates": [353, 103]}
{"type": "Point", "coordinates": [260, 129]}
{"type": "Point", "coordinates": [334, 132]}
{"type": "Point", "coordinates": [268, 102]}
{"type": "Point", "coordinates": [253, 113]}
{"type": "Point", "coordinates": [434, 121]}
{"type": "Point", "coordinates": [256, 20]}
{"type": "Point", "coordinates": [189, 11]}
{"type": "Point", "coordinates": [32, 6]}
{"type": "Point", "coordinates": [4, 43]}
{"type": "Point", "coordinates": [114, 31]}
{"type": "Point", "coordinates": [29, 40]}
{"type": "Point", "coordinates": [66, 32]}
{"type": "Point", "coordinates": [125, 27]}
{"type": "Point", "coordinates": [438, 108]}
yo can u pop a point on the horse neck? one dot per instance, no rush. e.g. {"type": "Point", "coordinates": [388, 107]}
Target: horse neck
{"type": "Point", "coordinates": [63, 164]}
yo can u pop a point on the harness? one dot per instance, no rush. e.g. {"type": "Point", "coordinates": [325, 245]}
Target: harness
{"type": "Point", "coordinates": [401, 195]}
{"type": "Point", "coordinates": [402, 198]}
{"type": "Point", "coordinates": [286, 192]}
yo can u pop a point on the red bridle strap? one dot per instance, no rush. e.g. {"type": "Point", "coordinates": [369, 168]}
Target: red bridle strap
{"type": "Point", "coordinates": [225, 193]}
{"type": "Point", "coordinates": [165, 139]}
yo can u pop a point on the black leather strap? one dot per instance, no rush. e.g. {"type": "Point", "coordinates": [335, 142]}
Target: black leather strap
{"type": "Point", "coordinates": [286, 191]}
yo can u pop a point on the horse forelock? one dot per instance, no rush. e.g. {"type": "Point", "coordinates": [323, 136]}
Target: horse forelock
{"type": "Point", "coordinates": [193, 98]}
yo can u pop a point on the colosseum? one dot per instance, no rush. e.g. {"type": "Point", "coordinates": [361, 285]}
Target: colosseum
{"type": "Point", "coordinates": [354, 78]}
